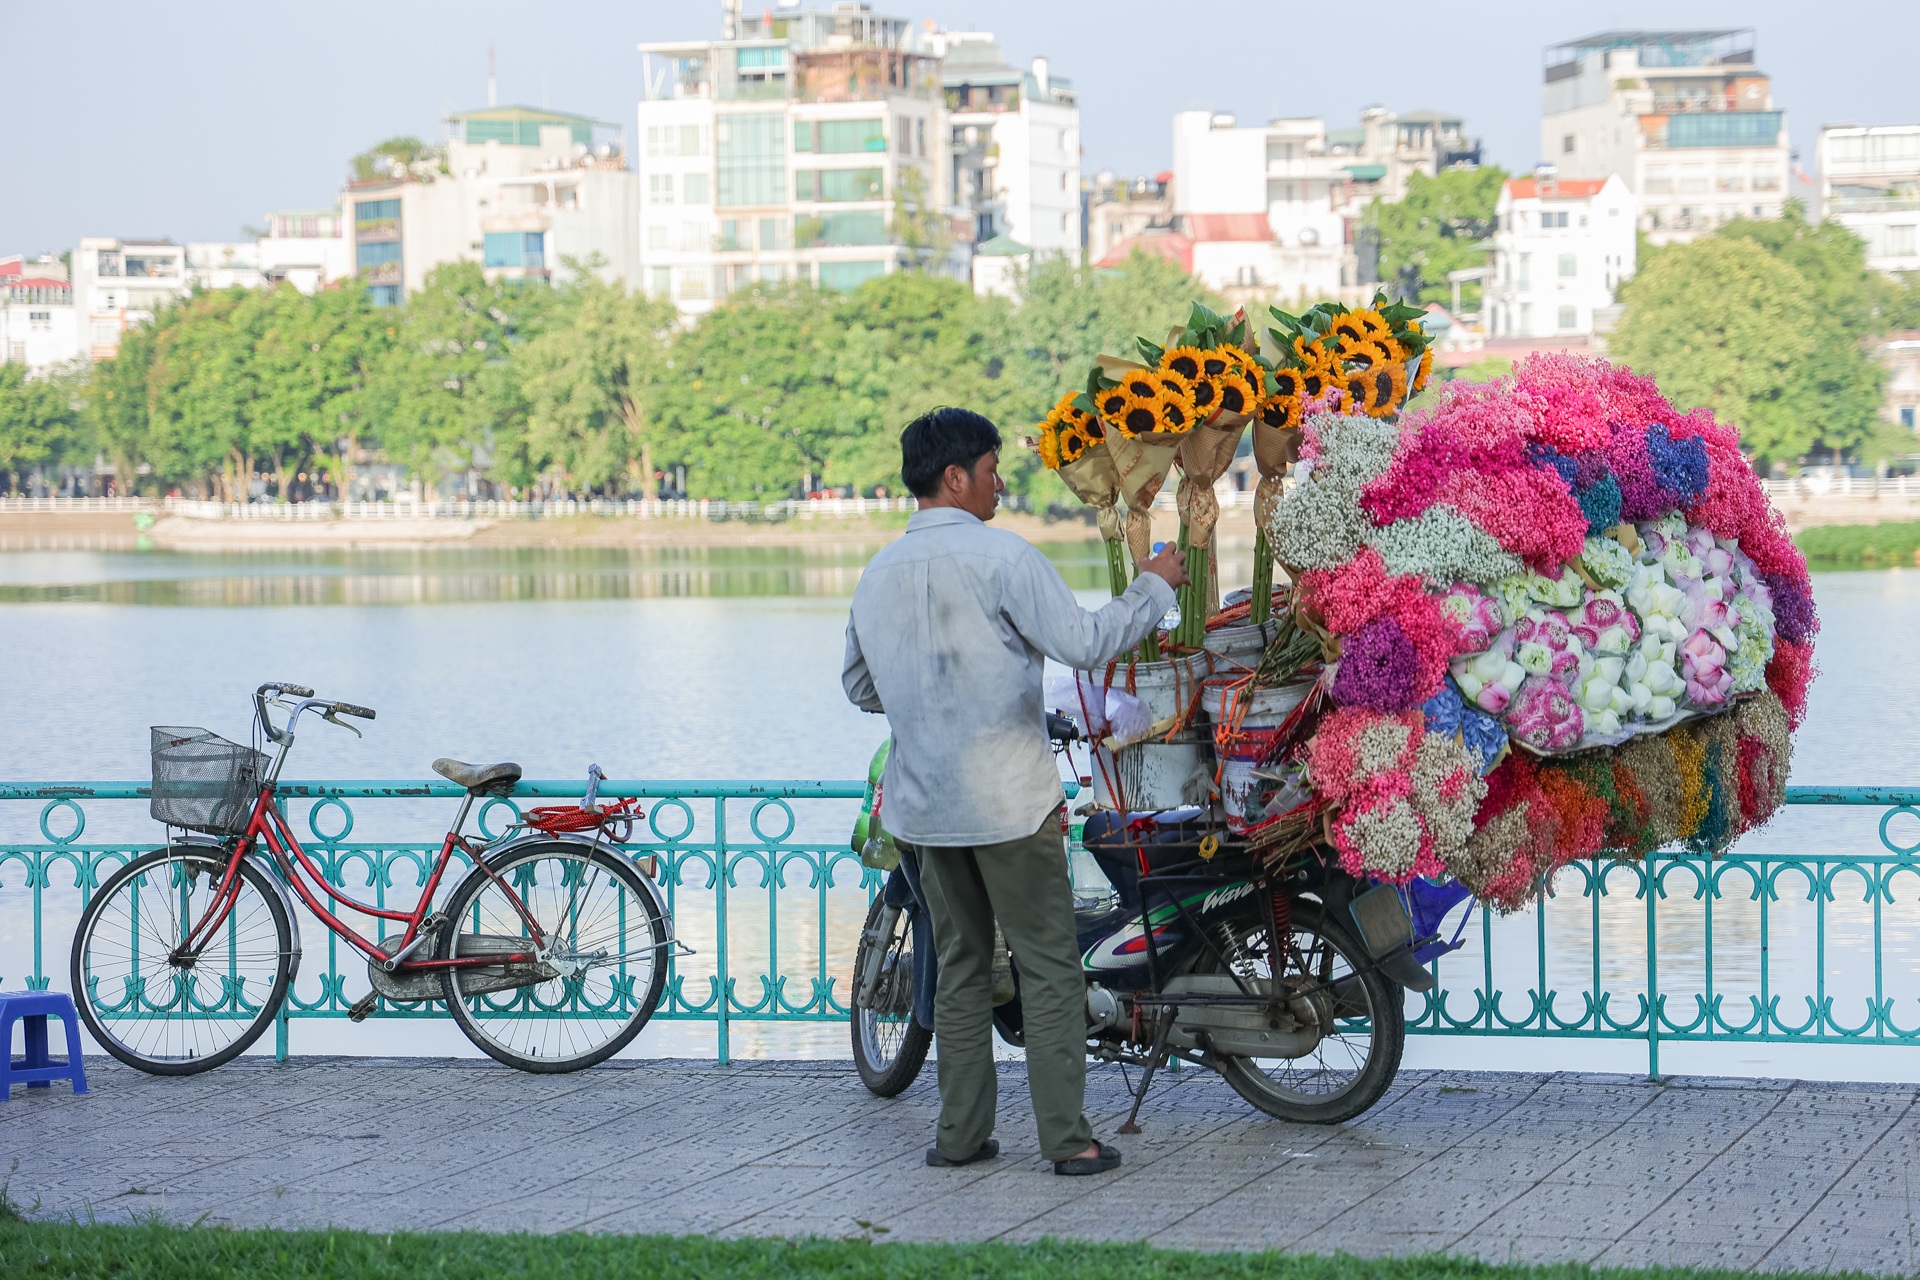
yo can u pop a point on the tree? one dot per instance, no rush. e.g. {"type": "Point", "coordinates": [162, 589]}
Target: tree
{"type": "Point", "coordinates": [1723, 323]}
{"type": "Point", "coordinates": [1440, 226]}
{"type": "Point", "coordinates": [38, 420]}
{"type": "Point", "coordinates": [313, 357]}
{"type": "Point", "coordinates": [586, 381]}
{"type": "Point", "coordinates": [919, 225]}
{"type": "Point", "coordinates": [378, 160]}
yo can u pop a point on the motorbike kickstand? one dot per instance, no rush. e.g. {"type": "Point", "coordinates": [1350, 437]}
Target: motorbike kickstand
{"type": "Point", "coordinates": [1158, 1056]}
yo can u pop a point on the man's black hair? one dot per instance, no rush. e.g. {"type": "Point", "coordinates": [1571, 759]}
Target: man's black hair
{"type": "Point", "coordinates": [945, 437]}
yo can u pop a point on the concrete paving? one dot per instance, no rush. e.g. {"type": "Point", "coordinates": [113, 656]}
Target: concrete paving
{"type": "Point", "coordinates": [1752, 1174]}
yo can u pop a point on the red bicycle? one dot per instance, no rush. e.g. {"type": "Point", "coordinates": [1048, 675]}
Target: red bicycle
{"type": "Point", "coordinates": [550, 951]}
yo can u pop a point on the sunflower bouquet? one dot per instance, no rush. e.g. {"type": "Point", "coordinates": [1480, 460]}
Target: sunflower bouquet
{"type": "Point", "coordinates": [1209, 355]}
{"type": "Point", "coordinates": [1072, 443]}
{"type": "Point", "coordinates": [1330, 358]}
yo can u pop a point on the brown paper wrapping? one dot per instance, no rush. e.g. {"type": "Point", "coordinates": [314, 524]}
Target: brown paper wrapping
{"type": "Point", "coordinates": [1095, 480]}
{"type": "Point", "coordinates": [1274, 450]}
{"type": "Point", "coordinates": [1142, 462]}
{"type": "Point", "coordinates": [1203, 458]}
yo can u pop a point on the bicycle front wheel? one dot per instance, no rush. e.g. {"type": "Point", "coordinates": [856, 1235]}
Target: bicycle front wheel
{"type": "Point", "coordinates": [157, 1007]}
{"type": "Point", "coordinates": [594, 976]}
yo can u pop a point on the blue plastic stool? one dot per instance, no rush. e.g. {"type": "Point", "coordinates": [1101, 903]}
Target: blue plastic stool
{"type": "Point", "coordinates": [37, 1068]}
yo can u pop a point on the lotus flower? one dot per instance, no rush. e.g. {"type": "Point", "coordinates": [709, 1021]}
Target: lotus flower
{"type": "Point", "coordinates": [1473, 618]}
{"type": "Point", "coordinates": [1489, 680]}
{"type": "Point", "coordinates": [1563, 590]}
{"type": "Point", "coordinates": [1704, 661]}
{"type": "Point", "coordinates": [1604, 625]}
{"type": "Point", "coordinates": [1545, 716]}
{"type": "Point", "coordinates": [1545, 645]}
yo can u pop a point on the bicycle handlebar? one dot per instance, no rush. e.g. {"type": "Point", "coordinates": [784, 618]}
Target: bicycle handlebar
{"type": "Point", "coordinates": [309, 702]}
{"type": "Point", "coordinates": [348, 709]}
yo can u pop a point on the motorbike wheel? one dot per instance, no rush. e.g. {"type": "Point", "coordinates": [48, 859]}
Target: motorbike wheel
{"type": "Point", "coordinates": [1353, 1065]}
{"type": "Point", "coordinates": [889, 1047]}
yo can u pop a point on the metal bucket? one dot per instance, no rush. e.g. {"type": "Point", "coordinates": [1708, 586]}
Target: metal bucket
{"type": "Point", "coordinates": [1155, 775]}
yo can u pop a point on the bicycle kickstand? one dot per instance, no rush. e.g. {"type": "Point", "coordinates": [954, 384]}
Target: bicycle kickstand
{"type": "Point", "coordinates": [1154, 1059]}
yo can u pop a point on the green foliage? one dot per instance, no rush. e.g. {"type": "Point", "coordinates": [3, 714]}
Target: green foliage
{"type": "Point", "coordinates": [1853, 545]}
{"type": "Point", "coordinates": [377, 161]}
{"type": "Point", "coordinates": [919, 225]}
{"type": "Point", "coordinates": [1440, 226]}
{"type": "Point", "coordinates": [582, 387]}
{"type": "Point", "coordinates": [156, 1251]}
{"type": "Point", "coordinates": [1766, 323]}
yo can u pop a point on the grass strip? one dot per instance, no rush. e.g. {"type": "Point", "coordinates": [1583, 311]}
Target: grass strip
{"type": "Point", "coordinates": [159, 1251]}
{"type": "Point", "coordinates": [1866, 545]}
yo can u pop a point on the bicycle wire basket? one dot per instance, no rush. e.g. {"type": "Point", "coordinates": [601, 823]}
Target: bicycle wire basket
{"type": "Point", "coordinates": [203, 782]}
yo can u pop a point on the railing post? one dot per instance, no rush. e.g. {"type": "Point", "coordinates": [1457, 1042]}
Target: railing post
{"type": "Point", "coordinates": [1653, 966]}
{"type": "Point", "coordinates": [720, 926]}
{"type": "Point", "coordinates": [280, 1029]}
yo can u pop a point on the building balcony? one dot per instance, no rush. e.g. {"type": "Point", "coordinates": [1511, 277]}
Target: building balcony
{"type": "Point", "coordinates": [1841, 205]}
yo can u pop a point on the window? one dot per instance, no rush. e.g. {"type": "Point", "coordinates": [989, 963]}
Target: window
{"type": "Point", "coordinates": [1693, 180]}
{"type": "Point", "coordinates": [109, 264]}
{"type": "Point", "coordinates": [660, 188]}
{"type": "Point", "coordinates": [1525, 280]}
{"type": "Point", "coordinates": [1569, 265]}
{"type": "Point", "coordinates": [515, 249]}
{"type": "Point", "coordinates": [383, 295]}
{"type": "Point", "coordinates": [693, 188]}
{"type": "Point", "coordinates": [758, 62]}
{"type": "Point", "coordinates": [1569, 318]}
{"type": "Point", "coordinates": [693, 237]}
{"type": "Point", "coordinates": [751, 159]}
{"type": "Point", "coordinates": [378, 254]}
{"type": "Point", "coordinates": [1282, 150]}
{"type": "Point", "coordinates": [842, 228]}
{"type": "Point", "coordinates": [1906, 416]}
{"type": "Point", "coordinates": [1900, 241]}
{"type": "Point", "coordinates": [662, 283]}
{"type": "Point", "coordinates": [105, 335]}
{"type": "Point", "coordinates": [1659, 182]}
{"type": "Point", "coordinates": [376, 215]}
{"type": "Point", "coordinates": [1282, 192]}
{"type": "Point", "coordinates": [1727, 182]}
{"type": "Point", "coordinates": [39, 317]}
{"type": "Point", "coordinates": [773, 233]}
{"type": "Point", "coordinates": [836, 185]}
{"type": "Point", "coordinates": [730, 235]}
{"type": "Point", "coordinates": [690, 140]}
{"type": "Point", "coordinates": [845, 137]}
{"type": "Point", "coordinates": [657, 237]}
{"type": "Point", "coordinates": [903, 135]}
{"type": "Point", "coordinates": [1724, 129]}
{"type": "Point", "coordinates": [920, 136]}
{"type": "Point", "coordinates": [773, 271]}
{"type": "Point", "coordinates": [1767, 181]}
{"type": "Point", "coordinates": [849, 275]}
{"type": "Point", "coordinates": [1566, 144]}
{"type": "Point", "coordinates": [1526, 319]}
{"type": "Point", "coordinates": [17, 352]}
{"type": "Point", "coordinates": [695, 284]}
{"type": "Point", "coordinates": [653, 140]}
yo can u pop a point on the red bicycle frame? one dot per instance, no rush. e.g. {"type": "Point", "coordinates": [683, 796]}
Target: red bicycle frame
{"type": "Point", "coordinates": [268, 824]}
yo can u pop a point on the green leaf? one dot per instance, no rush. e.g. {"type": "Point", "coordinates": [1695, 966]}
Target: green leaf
{"type": "Point", "coordinates": [1084, 403]}
{"type": "Point", "coordinates": [1150, 353]}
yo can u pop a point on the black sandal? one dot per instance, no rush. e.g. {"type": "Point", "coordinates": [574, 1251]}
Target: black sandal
{"type": "Point", "coordinates": [988, 1150]}
{"type": "Point", "coordinates": [1080, 1166]}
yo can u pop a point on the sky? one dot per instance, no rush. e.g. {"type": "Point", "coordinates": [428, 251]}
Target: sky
{"type": "Point", "coordinates": [190, 121]}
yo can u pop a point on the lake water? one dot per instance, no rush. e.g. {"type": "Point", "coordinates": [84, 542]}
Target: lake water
{"type": "Point", "coordinates": [691, 663]}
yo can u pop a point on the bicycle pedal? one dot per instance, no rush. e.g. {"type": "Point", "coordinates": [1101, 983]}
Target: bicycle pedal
{"type": "Point", "coordinates": [363, 1006]}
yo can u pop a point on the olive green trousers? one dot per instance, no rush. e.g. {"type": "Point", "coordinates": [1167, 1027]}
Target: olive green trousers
{"type": "Point", "coordinates": [1024, 885]}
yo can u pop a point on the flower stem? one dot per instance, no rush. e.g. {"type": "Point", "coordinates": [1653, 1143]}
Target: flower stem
{"type": "Point", "coordinates": [1262, 603]}
{"type": "Point", "coordinates": [1118, 574]}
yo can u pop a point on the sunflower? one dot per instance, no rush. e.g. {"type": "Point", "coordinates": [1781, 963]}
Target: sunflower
{"type": "Point", "coordinates": [1364, 355]}
{"type": "Point", "coordinates": [1176, 414]}
{"type": "Point", "coordinates": [1140, 384]}
{"type": "Point", "coordinates": [1377, 391]}
{"type": "Point", "coordinates": [1067, 414]}
{"type": "Point", "coordinates": [1140, 417]}
{"type": "Point", "coordinates": [1426, 371]}
{"type": "Point", "coordinates": [1282, 412]}
{"type": "Point", "coordinates": [1290, 383]}
{"type": "Point", "coordinates": [1348, 328]}
{"type": "Point", "coordinates": [1184, 361]}
{"type": "Point", "coordinates": [1113, 405]}
{"type": "Point", "coordinates": [1173, 384]}
{"type": "Point", "coordinates": [1073, 445]}
{"type": "Point", "coordinates": [1217, 362]}
{"type": "Point", "coordinates": [1313, 352]}
{"type": "Point", "coordinates": [1236, 393]}
{"type": "Point", "coordinates": [1249, 366]}
{"type": "Point", "coordinates": [1206, 396]}
{"type": "Point", "coordinates": [1047, 445]}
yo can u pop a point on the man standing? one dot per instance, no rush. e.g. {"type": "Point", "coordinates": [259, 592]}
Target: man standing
{"type": "Point", "coordinates": [951, 625]}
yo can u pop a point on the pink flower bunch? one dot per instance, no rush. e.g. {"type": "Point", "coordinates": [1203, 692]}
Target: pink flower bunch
{"type": "Point", "coordinates": [1472, 618]}
{"type": "Point", "coordinates": [1354, 745]}
{"type": "Point", "coordinates": [1349, 597]}
{"type": "Point", "coordinates": [1573, 395]}
{"type": "Point", "coordinates": [1479, 414]}
{"type": "Point", "coordinates": [1544, 645]}
{"type": "Point", "coordinates": [1530, 512]}
{"type": "Point", "coordinates": [1545, 715]}
{"type": "Point", "coordinates": [1423, 464]}
{"type": "Point", "coordinates": [1704, 664]}
{"type": "Point", "coordinates": [1605, 625]}
{"type": "Point", "coordinates": [1407, 797]}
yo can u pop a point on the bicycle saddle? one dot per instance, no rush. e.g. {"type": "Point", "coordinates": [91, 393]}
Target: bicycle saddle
{"type": "Point", "coordinates": [478, 777]}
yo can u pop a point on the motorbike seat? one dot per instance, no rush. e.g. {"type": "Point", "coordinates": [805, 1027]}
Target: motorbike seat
{"type": "Point", "coordinates": [1117, 840]}
{"type": "Point", "coordinates": [480, 779]}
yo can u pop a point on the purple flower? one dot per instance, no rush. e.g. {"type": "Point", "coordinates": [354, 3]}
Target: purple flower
{"type": "Point", "coordinates": [1680, 466]}
{"type": "Point", "coordinates": [1377, 668]}
{"type": "Point", "coordinates": [1641, 497]}
{"type": "Point", "coordinates": [1589, 469]}
{"type": "Point", "coordinates": [1793, 615]}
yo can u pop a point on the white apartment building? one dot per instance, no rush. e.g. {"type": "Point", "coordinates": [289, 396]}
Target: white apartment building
{"type": "Point", "coordinates": [37, 326]}
{"type": "Point", "coordinates": [1015, 141]}
{"type": "Point", "coordinates": [776, 152]}
{"type": "Point", "coordinates": [1870, 184]}
{"type": "Point", "coordinates": [520, 190]}
{"type": "Point", "coordinates": [307, 248]}
{"type": "Point", "coordinates": [224, 265]}
{"type": "Point", "coordinates": [1685, 117]}
{"type": "Point", "coordinates": [120, 283]}
{"type": "Point", "coordinates": [1385, 149]}
{"type": "Point", "coordinates": [1120, 210]}
{"type": "Point", "coordinates": [1561, 249]}
{"type": "Point", "coordinates": [1278, 178]}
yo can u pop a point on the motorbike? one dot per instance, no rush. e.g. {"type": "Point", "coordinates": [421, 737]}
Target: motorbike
{"type": "Point", "coordinates": [1280, 972]}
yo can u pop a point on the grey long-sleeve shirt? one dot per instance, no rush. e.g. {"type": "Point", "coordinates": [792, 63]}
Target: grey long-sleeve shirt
{"type": "Point", "coordinates": [951, 625]}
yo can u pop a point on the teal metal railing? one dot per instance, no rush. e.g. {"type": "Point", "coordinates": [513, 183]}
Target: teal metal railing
{"type": "Point", "coordinates": [1781, 948]}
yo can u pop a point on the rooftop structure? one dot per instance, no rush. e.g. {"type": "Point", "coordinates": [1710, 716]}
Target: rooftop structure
{"type": "Point", "coordinates": [1685, 117]}
{"type": "Point", "coordinates": [1870, 184]}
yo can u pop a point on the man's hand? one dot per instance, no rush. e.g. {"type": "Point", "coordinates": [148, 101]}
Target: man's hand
{"type": "Point", "coordinates": [1170, 564]}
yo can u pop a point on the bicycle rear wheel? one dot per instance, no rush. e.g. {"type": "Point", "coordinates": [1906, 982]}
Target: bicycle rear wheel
{"type": "Point", "coordinates": [592, 989]}
{"type": "Point", "coordinates": [159, 1010]}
